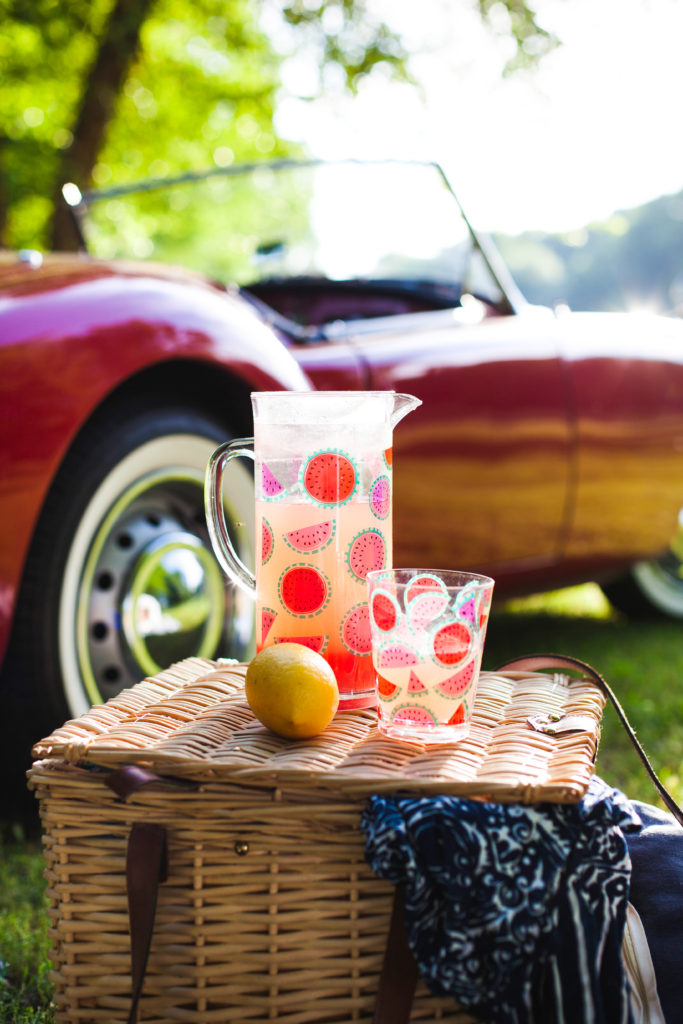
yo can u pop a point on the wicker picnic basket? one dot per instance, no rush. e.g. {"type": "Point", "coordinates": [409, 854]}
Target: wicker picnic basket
{"type": "Point", "coordinates": [269, 911]}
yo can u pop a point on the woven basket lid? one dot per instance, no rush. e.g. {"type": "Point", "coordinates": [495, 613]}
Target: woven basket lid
{"type": "Point", "coordinates": [193, 721]}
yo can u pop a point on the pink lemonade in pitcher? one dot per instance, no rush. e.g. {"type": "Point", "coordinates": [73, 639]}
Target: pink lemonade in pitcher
{"type": "Point", "coordinates": [323, 523]}
{"type": "Point", "coordinates": [323, 486]}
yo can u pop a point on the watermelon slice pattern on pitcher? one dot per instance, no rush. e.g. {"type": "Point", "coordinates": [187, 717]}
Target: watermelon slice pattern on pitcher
{"type": "Point", "coordinates": [380, 497]}
{"type": "Point", "coordinates": [324, 522]}
{"type": "Point", "coordinates": [304, 590]}
{"type": "Point", "coordinates": [355, 630]}
{"type": "Point", "coordinates": [271, 487]}
{"type": "Point", "coordinates": [367, 553]}
{"type": "Point", "coordinates": [314, 643]}
{"type": "Point", "coordinates": [268, 617]}
{"type": "Point", "coordinates": [329, 477]}
{"type": "Point", "coordinates": [308, 539]}
{"type": "Point", "coordinates": [266, 541]}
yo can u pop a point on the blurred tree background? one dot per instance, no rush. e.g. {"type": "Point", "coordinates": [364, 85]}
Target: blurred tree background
{"type": "Point", "coordinates": [632, 260]}
{"type": "Point", "coordinates": [104, 92]}
{"type": "Point", "coordinates": [108, 91]}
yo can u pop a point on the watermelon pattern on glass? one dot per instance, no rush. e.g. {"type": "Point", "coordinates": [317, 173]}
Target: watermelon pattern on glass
{"type": "Point", "coordinates": [380, 497]}
{"type": "Point", "coordinates": [425, 583]}
{"type": "Point", "coordinates": [271, 487]}
{"type": "Point", "coordinates": [466, 606]}
{"type": "Point", "coordinates": [385, 610]}
{"type": "Point", "coordinates": [367, 552]}
{"type": "Point", "coordinates": [355, 630]}
{"type": "Point", "coordinates": [451, 643]}
{"type": "Point", "coordinates": [314, 643]}
{"type": "Point", "coordinates": [414, 715]}
{"type": "Point", "coordinates": [485, 599]}
{"type": "Point", "coordinates": [473, 606]}
{"type": "Point", "coordinates": [304, 590]}
{"type": "Point", "coordinates": [386, 690]}
{"type": "Point", "coordinates": [268, 617]}
{"type": "Point", "coordinates": [459, 683]}
{"type": "Point", "coordinates": [329, 477]}
{"type": "Point", "coordinates": [395, 654]}
{"type": "Point", "coordinates": [427, 651]}
{"type": "Point", "coordinates": [267, 541]}
{"type": "Point", "coordinates": [415, 685]}
{"type": "Point", "coordinates": [459, 716]}
{"type": "Point", "coordinates": [425, 607]}
{"type": "Point", "coordinates": [307, 539]}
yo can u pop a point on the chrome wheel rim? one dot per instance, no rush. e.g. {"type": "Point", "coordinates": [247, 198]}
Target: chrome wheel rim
{"type": "Point", "coordinates": [141, 586]}
{"type": "Point", "coordinates": [174, 604]}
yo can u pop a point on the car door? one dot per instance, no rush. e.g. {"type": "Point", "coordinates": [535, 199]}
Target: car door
{"type": "Point", "coordinates": [482, 469]}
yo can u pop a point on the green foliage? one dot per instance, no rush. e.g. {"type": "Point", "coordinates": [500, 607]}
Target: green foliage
{"type": "Point", "coordinates": [631, 260]}
{"type": "Point", "coordinates": [201, 89]}
{"type": "Point", "coordinates": [215, 226]}
{"type": "Point", "coordinates": [347, 35]}
{"type": "Point", "coordinates": [532, 41]}
{"type": "Point", "coordinates": [25, 990]}
{"type": "Point", "coordinates": [38, 41]}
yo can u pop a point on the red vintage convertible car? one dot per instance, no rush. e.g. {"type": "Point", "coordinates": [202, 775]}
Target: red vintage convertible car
{"type": "Point", "coordinates": [548, 448]}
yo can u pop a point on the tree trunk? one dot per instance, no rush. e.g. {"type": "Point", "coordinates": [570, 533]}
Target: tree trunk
{"type": "Point", "coordinates": [102, 86]}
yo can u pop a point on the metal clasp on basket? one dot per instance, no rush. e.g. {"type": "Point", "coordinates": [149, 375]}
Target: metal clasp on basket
{"type": "Point", "coordinates": [551, 724]}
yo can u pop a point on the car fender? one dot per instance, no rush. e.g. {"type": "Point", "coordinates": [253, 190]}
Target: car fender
{"type": "Point", "coordinates": [626, 380]}
{"type": "Point", "coordinates": [74, 332]}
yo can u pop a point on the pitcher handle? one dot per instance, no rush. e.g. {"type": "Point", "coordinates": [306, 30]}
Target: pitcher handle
{"type": "Point", "coordinates": [221, 542]}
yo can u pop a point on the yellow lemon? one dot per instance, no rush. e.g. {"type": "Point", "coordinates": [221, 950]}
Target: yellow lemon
{"type": "Point", "coordinates": [292, 690]}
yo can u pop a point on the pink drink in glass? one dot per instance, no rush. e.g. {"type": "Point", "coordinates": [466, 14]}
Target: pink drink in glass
{"type": "Point", "coordinates": [428, 629]}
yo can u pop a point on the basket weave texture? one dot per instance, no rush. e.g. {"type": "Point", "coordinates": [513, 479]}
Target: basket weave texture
{"type": "Point", "coordinates": [270, 911]}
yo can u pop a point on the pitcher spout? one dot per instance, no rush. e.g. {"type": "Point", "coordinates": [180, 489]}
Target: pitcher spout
{"type": "Point", "coordinates": [403, 404]}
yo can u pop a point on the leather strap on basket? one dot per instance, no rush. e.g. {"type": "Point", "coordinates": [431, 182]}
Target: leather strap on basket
{"type": "Point", "coordinates": [146, 867]}
{"type": "Point", "coordinates": [399, 971]}
{"type": "Point", "coordinates": [543, 662]}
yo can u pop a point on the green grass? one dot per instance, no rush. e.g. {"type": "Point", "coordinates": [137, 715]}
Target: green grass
{"type": "Point", "coordinates": [642, 662]}
{"type": "Point", "coordinates": [25, 990]}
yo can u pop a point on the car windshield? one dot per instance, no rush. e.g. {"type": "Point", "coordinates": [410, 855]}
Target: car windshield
{"type": "Point", "coordinates": [341, 221]}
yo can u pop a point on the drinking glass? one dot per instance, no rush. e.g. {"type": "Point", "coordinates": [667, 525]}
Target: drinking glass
{"type": "Point", "coordinates": [428, 628]}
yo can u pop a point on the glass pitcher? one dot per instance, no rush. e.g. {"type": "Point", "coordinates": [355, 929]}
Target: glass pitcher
{"type": "Point", "coordinates": [323, 491]}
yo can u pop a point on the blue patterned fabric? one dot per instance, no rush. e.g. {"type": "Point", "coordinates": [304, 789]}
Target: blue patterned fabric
{"type": "Point", "coordinates": [517, 912]}
{"type": "Point", "coordinates": [657, 894]}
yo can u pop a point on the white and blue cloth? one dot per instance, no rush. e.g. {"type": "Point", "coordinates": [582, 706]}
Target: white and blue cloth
{"type": "Point", "coordinates": [516, 912]}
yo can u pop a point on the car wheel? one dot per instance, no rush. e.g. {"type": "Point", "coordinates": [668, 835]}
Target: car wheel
{"type": "Point", "coordinates": [121, 580]}
{"type": "Point", "coordinates": [653, 588]}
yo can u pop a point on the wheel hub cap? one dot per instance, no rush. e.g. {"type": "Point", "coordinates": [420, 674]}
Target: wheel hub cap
{"type": "Point", "coordinates": [173, 605]}
{"type": "Point", "coordinates": [156, 595]}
